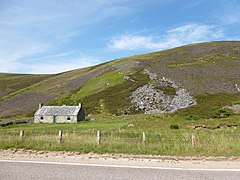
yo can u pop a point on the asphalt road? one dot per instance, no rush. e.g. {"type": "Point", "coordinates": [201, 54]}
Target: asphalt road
{"type": "Point", "coordinates": [41, 170]}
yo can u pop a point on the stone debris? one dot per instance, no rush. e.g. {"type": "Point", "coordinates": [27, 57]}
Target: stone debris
{"type": "Point", "coordinates": [235, 108]}
{"type": "Point", "coordinates": [220, 126]}
{"type": "Point", "coordinates": [152, 76]}
{"type": "Point", "coordinates": [127, 78]}
{"type": "Point", "coordinates": [238, 88]}
{"type": "Point", "coordinates": [130, 125]}
{"type": "Point", "coordinates": [152, 100]}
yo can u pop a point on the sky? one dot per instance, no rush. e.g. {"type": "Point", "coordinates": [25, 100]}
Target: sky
{"type": "Point", "coordinates": [52, 36]}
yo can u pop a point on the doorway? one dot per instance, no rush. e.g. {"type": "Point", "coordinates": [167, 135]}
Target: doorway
{"type": "Point", "coordinates": [54, 119]}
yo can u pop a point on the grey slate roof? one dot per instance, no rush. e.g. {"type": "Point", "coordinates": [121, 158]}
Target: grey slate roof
{"type": "Point", "coordinates": [58, 111]}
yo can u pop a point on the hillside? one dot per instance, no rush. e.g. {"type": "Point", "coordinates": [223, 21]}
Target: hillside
{"type": "Point", "coordinates": [13, 82]}
{"type": "Point", "coordinates": [197, 79]}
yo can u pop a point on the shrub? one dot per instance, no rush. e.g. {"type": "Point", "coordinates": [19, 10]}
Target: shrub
{"type": "Point", "coordinates": [236, 102]}
{"type": "Point", "coordinates": [223, 113]}
{"type": "Point", "coordinates": [122, 112]}
{"type": "Point", "coordinates": [174, 126]}
{"type": "Point", "coordinates": [192, 117]}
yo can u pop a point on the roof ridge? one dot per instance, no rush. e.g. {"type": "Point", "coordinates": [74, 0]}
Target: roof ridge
{"type": "Point", "coordinates": [58, 110]}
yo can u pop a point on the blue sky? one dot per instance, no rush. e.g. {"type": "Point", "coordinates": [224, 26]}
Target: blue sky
{"type": "Point", "coordinates": [50, 36]}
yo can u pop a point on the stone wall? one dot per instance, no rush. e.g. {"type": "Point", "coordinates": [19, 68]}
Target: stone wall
{"type": "Point", "coordinates": [81, 115]}
{"type": "Point", "coordinates": [59, 119]}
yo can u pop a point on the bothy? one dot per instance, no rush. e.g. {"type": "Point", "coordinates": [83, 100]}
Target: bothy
{"type": "Point", "coordinates": [59, 114]}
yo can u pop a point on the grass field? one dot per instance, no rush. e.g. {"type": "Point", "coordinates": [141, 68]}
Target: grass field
{"type": "Point", "coordinates": [123, 134]}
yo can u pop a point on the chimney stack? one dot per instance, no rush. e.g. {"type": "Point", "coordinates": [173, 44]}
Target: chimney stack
{"type": "Point", "coordinates": [40, 105]}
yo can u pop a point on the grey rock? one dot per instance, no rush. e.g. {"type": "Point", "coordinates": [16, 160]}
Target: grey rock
{"type": "Point", "coordinates": [155, 101]}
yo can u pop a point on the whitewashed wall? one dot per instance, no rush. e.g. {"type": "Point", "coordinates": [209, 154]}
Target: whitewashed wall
{"type": "Point", "coordinates": [59, 119]}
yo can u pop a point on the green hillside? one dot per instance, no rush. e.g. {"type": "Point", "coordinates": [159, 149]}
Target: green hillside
{"type": "Point", "coordinates": [207, 74]}
{"type": "Point", "coordinates": [13, 82]}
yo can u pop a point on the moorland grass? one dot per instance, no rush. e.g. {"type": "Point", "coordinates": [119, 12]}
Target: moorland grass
{"type": "Point", "coordinates": [236, 102]}
{"type": "Point", "coordinates": [116, 98]}
{"type": "Point", "coordinates": [123, 134]}
{"type": "Point", "coordinates": [174, 142]}
{"type": "Point", "coordinates": [208, 106]}
{"type": "Point", "coordinates": [16, 82]}
{"type": "Point", "coordinates": [98, 84]}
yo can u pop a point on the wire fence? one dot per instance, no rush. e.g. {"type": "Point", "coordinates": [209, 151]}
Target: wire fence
{"type": "Point", "coordinates": [167, 142]}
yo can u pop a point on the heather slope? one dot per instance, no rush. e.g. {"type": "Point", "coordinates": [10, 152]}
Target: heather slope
{"type": "Point", "coordinates": [208, 72]}
{"type": "Point", "coordinates": [10, 83]}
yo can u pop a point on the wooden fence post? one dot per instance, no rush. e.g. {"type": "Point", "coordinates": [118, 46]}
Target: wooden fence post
{"type": "Point", "coordinates": [98, 137]}
{"type": "Point", "coordinates": [144, 137]}
{"type": "Point", "coordinates": [193, 140]}
{"type": "Point", "coordinates": [60, 137]}
{"type": "Point", "coordinates": [21, 133]}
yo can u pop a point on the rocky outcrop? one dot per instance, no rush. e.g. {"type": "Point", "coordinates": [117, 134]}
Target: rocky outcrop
{"type": "Point", "coordinates": [161, 96]}
{"type": "Point", "coordinates": [235, 108]}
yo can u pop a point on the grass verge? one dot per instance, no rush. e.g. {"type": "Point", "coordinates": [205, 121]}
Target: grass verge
{"type": "Point", "coordinates": [123, 134]}
{"type": "Point", "coordinates": [217, 143]}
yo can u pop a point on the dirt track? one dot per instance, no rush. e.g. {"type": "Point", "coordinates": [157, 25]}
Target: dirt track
{"type": "Point", "coordinates": [122, 159]}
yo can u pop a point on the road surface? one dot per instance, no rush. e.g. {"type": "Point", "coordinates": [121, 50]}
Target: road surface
{"type": "Point", "coordinates": [18, 170]}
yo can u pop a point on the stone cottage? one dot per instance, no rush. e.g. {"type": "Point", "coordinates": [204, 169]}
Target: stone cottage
{"type": "Point", "coordinates": [59, 114]}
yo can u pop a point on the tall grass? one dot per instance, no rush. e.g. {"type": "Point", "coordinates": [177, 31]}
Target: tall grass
{"type": "Point", "coordinates": [171, 142]}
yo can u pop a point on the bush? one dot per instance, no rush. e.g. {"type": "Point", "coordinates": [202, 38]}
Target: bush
{"type": "Point", "coordinates": [174, 126]}
{"type": "Point", "coordinates": [192, 117]}
{"type": "Point", "coordinates": [122, 112]}
{"type": "Point", "coordinates": [236, 102]}
{"type": "Point", "coordinates": [223, 113]}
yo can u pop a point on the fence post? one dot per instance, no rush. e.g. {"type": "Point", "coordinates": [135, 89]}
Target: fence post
{"type": "Point", "coordinates": [21, 133]}
{"type": "Point", "coordinates": [60, 137]}
{"type": "Point", "coordinates": [144, 137]}
{"type": "Point", "coordinates": [193, 140]}
{"type": "Point", "coordinates": [98, 137]}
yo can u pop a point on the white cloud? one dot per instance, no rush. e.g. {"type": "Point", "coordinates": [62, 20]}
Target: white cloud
{"type": "Point", "coordinates": [231, 18]}
{"type": "Point", "coordinates": [132, 42]}
{"type": "Point", "coordinates": [229, 13]}
{"type": "Point", "coordinates": [193, 4]}
{"type": "Point", "coordinates": [51, 66]}
{"type": "Point", "coordinates": [58, 67]}
{"type": "Point", "coordinates": [35, 28]}
{"type": "Point", "coordinates": [186, 34]}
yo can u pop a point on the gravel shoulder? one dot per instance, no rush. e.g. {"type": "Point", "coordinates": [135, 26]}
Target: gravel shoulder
{"type": "Point", "coordinates": [122, 159]}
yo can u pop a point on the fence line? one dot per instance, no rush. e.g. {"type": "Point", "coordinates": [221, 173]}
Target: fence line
{"type": "Point", "coordinates": [128, 137]}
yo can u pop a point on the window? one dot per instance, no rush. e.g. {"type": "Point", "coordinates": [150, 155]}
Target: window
{"type": "Point", "coordinates": [41, 118]}
{"type": "Point", "coordinates": [68, 118]}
